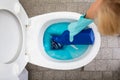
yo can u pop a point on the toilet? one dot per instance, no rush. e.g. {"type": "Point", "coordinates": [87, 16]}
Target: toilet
{"type": "Point", "coordinates": [21, 41]}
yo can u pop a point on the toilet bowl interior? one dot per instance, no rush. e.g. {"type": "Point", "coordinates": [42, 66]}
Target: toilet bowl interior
{"type": "Point", "coordinates": [10, 37]}
{"type": "Point", "coordinates": [68, 52]}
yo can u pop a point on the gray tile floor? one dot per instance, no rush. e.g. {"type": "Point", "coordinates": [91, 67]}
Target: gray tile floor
{"type": "Point", "coordinates": [106, 66]}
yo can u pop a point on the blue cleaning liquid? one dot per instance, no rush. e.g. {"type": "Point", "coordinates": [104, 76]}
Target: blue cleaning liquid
{"type": "Point", "coordinates": [68, 52]}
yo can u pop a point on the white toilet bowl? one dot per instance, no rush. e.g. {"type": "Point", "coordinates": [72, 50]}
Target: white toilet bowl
{"type": "Point", "coordinates": [35, 42]}
{"type": "Point", "coordinates": [21, 38]}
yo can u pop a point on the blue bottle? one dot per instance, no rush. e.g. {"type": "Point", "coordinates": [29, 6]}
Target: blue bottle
{"type": "Point", "coordinates": [85, 37]}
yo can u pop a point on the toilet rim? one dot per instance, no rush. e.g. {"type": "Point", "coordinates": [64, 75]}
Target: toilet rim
{"type": "Point", "coordinates": [44, 62]}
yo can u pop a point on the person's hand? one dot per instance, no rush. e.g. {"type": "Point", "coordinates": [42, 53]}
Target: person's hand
{"type": "Point", "coordinates": [92, 11]}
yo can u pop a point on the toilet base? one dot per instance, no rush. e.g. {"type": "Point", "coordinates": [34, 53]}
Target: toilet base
{"type": "Point", "coordinates": [24, 75]}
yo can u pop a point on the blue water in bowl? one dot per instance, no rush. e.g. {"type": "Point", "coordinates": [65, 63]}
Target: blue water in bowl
{"type": "Point", "coordinates": [68, 52]}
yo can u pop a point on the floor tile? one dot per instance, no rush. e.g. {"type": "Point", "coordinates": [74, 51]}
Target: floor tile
{"type": "Point", "coordinates": [116, 53]}
{"type": "Point", "coordinates": [48, 75]}
{"type": "Point", "coordinates": [72, 7]}
{"type": "Point", "coordinates": [107, 76]}
{"type": "Point", "coordinates": [116, 75]}
{"type": "Point", "coordinates": [102, 65]}
{"type": "Point", "coordinates": [84, 75]}
{"type": "Point", "coordinates": [95, 75]}
{"type": "Point", "coordinates": [59, 75]}
{"type": "Point", "coordinates": [90, 66]}
{"type": "Point", "coordinates": [72, 75]}
{"type": "Point", "coordinates": [114, 65]}
{"type": "Point", "coordinates": [112, 41]}
{"type": "Point", "coordinates": [104, 41]}
{"type": "Point", "coordinates": [105, 53]}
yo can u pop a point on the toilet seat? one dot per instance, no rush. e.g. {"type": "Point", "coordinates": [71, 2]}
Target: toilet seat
{"type": "Point", "coordinates": [33, 36]}
{"type": "Point", "coordinates": [14, 8]}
